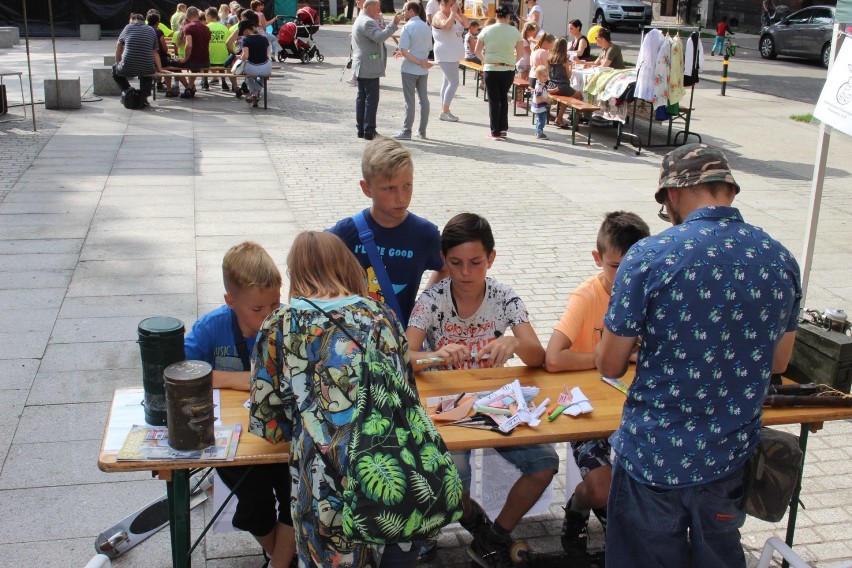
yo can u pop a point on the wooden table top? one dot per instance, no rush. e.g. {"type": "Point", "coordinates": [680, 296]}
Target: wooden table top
{"type": "Point", "coordinates": [607, 403]}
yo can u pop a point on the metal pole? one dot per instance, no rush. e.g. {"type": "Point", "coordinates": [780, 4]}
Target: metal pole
{"type": "Point", "coordinates": [725, 72]}
{"type": "Point", "coordinates": [53, 41]}
{"type": "Point", "coordinates": [29, 65]}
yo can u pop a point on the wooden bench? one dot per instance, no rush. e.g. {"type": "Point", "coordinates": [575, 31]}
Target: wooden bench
{"type": "Point", "coordinates": [208, 73]}
{"type": "Point", "coordinates": [477, 73]}
{"type": "Point", "coordinates": [520, 87]}
{"type": "Point", "coordinates": [577, 107]}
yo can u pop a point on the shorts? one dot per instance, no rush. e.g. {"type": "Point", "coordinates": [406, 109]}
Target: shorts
{"type": "Point", "coordinates": [591, 455]}
{"type": "Point", "coordinates": [192, 65]}
{"type": "Point", "coordinates": [528, 459]}
{"type": "Point", "coordinates": [265, 488]}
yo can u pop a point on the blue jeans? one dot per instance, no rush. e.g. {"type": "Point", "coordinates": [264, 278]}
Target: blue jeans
{"type": "Point", "coordinates": [528, 459]}
{"type": "Point", "coordinates": [719, 45]}
{"type": "Point", "coordinates": [367, 105]}
{"type": "Point", "coordinates": [655, 526]}
{"type": "Point", "coordinates": [540, 121]}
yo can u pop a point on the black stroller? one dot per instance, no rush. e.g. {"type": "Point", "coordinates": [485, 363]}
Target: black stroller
{"type": "Point", "coordinates": [297, 37]}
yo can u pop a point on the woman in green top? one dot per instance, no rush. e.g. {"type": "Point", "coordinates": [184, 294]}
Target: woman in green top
{"type": "Point", "coordinates": [496, 47]}
{"type": "Point", "coordinates": [610, 53]}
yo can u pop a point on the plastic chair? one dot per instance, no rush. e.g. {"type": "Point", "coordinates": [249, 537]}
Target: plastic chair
{"type": "Point", "coordinates": [774, 544]}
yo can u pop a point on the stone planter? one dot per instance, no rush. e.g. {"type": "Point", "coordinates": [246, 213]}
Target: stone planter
{"type": "Point", "coordinates": [68, 96]}
{"type": "Point", "coordinates": [90, 32]}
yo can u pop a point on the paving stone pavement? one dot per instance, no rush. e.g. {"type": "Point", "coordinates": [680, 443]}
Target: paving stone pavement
{"type": "Point", "coordinates": [109, 216]}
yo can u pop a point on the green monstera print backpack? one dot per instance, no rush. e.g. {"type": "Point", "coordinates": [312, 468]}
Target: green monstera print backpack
{"type": "Point", "coordinates": [402, 483]}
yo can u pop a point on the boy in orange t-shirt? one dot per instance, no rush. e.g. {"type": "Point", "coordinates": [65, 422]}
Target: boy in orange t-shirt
{"type": "Point", "coordinates": [572, 348]}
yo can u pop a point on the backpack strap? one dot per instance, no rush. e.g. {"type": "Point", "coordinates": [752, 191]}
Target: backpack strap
{"type": "Point", "coordinates": [369, 242]}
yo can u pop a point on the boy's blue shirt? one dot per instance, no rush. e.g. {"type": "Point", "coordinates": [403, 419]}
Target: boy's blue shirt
{"type": "Point", "coordinates": [211, 339]}
{"type": "Point", "coordinates": [408, 250]}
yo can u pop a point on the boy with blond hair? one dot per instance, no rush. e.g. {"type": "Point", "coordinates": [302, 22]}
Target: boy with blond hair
{"type": "Point", "coordinates": [407, 245]}
{"type": "Point", "coordinates": [225, 338]}
{"type": "Point", "coordinates": [572, 348]}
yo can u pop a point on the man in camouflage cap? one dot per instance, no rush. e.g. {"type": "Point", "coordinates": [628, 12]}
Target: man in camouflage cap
{"type": "Point", "coordinates": [714, 301]}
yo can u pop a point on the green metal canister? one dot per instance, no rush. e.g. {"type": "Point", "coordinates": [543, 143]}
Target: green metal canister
{"type": "Point", "coordinates": [189, 405]}
{"type": "Point", "coordinates": [160, 344]}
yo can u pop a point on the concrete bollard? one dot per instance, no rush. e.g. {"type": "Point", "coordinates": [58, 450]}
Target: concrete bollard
{"type": "Point", "coordinates": [16, 33]}
{"type": "Point", "coordinates": [90, 32]}
{"type": "Point", "coordinates": [109, 60]}
{"type": "Point", "coordinates": [104, 84]}
{"type": "Point", "coordinates": [7, 40]}
{"type": "Point", "coordinates": [69, 94]}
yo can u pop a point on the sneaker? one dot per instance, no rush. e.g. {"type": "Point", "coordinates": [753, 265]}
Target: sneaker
{"type": "Point", "coordinates": [541, 136]}
{"type": "Point", "coordinates": [225, 86]}
{"type": "Point", "coordinates": [173, 93]}
{"type": "Point", "coordinates": [421, 135]}
{"type": "Point", "coordinates": [575, 531]}
{"type": "Point", "coordinates": [404, 135]}
{"type": "Point", "coordinates": [494, 136]}
{"type": "Point", "coordinates": [238, 93]}
{"type": "Point", "coordinates": [490, 550]}
{"type": "Point", "coordinates": [503, 134]}
{"type": "Point", "coordinates": [245, 88]}
{"type": "Point", "coordinates": [187, 94]}
{"type": "Point", "coordinates": [205, 85]}
{"type": "Point", "coordinates": [478, 522]}
{"type": "Point", "coordinates": [370, 135]}
{"type": "Point", "coordinates": [353, 81]}
{"type": "Point", "coordinates": [428, 550]}
{"type": "Point", "coordinates": [448, 117]}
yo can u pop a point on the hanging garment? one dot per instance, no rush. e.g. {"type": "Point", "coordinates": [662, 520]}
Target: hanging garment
{"type": "Point", "coordinates": [693, 68]}
{"type": "Point", "coordinates": [676, 88]}
{"type": "Point", "coordinates": [647, 62]}
{"type": "Point", "coordinates": [661, 74]}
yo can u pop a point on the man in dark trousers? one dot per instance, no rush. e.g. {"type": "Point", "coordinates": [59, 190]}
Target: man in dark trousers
{"type": "Point", "coordinates": [369, 58]}
{"type": "Point", "coordinates": [136, 55]}
{"type": "Point", "coordinates": [715, 303]}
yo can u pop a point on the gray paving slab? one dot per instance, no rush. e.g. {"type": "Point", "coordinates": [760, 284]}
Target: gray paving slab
{"type": "Point", "coordinates": [59, 464]}
{"type": "Point", "coordinates": [29, 320]}
{"type": "Point", "coordinates": [11, 406]}
{"type": "Point", "coordinates": [140, 306]}
{"type": "Point", "coordinates": [70, 387]}
{"type": "Point", "coordinates": [90, 356]}
{"type": "Point", "coordinates": [17, 374]}
{"type": "Point", "coordinates": [51, 278]}
{"type": "Point", "coordinates": [35, 262]}
{"type": "Point", "coordinates": [81, 421]}
{"type": "Point", "coordinates": [114, 328]}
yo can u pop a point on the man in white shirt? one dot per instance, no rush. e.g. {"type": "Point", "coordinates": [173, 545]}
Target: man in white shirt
{"type": "Point", "coordinates": [414, 45]}
{"type": "Point", "coordinates": [431, 9]}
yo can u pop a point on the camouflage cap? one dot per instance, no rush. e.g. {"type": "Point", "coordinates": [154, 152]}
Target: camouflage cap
{"type": "Point", "coordinates": [691, 165]}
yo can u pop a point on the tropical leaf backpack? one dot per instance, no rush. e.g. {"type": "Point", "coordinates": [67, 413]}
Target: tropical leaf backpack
{"type": "Point", "coordinates": [402, 484]}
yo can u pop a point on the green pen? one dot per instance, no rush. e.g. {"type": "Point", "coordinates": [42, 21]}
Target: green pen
{"type": "Point", "coordinates": [492, 410]}
{"type": "Point", "coordinates": [559, 410]}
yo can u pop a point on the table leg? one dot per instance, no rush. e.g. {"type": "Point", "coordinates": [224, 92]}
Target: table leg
{"type": "Point", "coordinates": [794, 504]}
{"type": "Point", "coordinates": [177, 492]}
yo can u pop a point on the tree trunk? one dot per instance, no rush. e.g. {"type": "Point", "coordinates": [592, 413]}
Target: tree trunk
{"type": "Point", "coordinates": [350, 9]}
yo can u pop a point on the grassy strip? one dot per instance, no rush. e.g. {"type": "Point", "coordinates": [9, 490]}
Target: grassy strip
{"type": "Point", "coordinates": [802, 117]}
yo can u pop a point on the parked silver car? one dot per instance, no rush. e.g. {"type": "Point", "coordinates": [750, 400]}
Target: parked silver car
{"type": "Point", "coordinates": [806, 33]}
{"type": "Point", "coordinates": [632, 13]}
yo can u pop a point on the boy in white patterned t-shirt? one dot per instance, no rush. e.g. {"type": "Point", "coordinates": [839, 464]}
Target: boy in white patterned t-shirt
{"type": "Point", "coordinates": [462, 319]}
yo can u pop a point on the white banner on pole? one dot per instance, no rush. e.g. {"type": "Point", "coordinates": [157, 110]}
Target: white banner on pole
{"type": "Point", "coordinates": [834, 107]}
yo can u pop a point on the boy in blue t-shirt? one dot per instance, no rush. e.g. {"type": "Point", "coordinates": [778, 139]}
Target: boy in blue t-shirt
{"type": "Point", "coordinates": [538, 104]}
{"type": "Point", "coordinates": [224, 338]}
{"type": "Point", "coordinates": [409, 245]}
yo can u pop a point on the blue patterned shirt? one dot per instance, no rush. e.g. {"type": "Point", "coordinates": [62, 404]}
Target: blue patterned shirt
{"type": "Point", "coordinates": [710, 299]}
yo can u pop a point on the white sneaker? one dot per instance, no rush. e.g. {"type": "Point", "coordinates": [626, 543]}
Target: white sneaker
{"type": "Point", "coordinates": [449, 117]}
